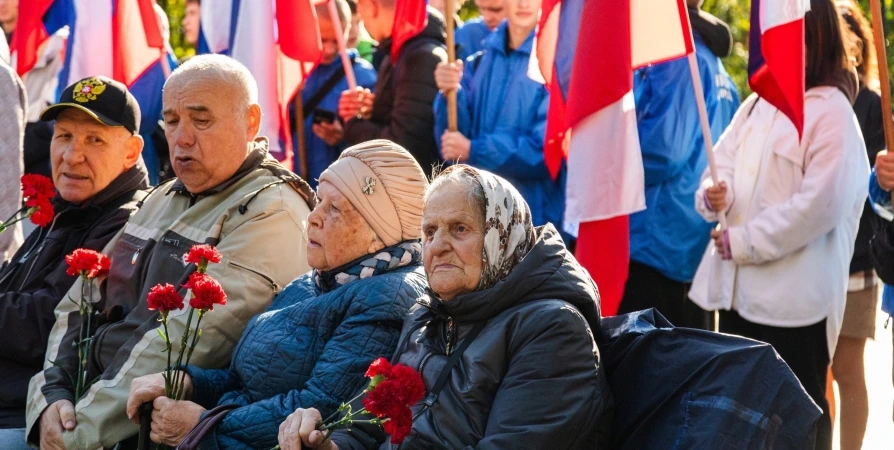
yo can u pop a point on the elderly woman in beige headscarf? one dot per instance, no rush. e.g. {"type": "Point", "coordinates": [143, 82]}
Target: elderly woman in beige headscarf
{"type": "Point", "coordinates": [313, 345]}
{"type": "Point", "coordinates": [505, 340]}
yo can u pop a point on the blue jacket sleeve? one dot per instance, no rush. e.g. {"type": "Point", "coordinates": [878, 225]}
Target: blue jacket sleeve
{"type": "Point", "coordinates": [879, 199]}
{"type": "Point", "coordinates": [370, 329]}
{"type": "Point", "coordinates": [209, 385]}
{"type": "Point", "coordinates": [517, 149]}
{"type": "Point", "coordinates": [463, 105]}
{"type": "Point", "coordinates": [667, 119]}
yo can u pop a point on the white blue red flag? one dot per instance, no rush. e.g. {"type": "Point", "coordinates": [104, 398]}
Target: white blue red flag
{"type": "Point", "coordinates": [279, 42]}
{"type": "Point", "coordinates": [776, 55]}
{"type": "Point", "coordinates": [592, 117]}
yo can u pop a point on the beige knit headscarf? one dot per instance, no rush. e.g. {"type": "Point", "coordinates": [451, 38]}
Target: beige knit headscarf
{"type": "Point", "coordinates": [385, 184]}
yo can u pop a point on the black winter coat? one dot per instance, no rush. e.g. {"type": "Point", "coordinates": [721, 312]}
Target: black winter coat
{"type": "Point", "coordinates": [405, 91]}
{"type": "Point", "coordinates": [532, 379]}
{"type": "Point", "coordinates": [34, 281]}
{"type": "Point", "coordinates": [868, 109]}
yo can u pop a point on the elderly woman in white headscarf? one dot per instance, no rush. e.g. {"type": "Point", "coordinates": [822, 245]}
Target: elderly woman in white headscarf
{"type": "Point", "coordinates": [509, 321]}
{"type": "Point", "coordinates": [313, 345]}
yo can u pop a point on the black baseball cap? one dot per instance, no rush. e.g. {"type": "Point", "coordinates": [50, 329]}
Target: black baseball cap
{"type": "Point", "coordinates": [104, 99]}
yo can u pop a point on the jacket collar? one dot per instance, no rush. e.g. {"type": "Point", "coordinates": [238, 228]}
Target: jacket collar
{"type": "Point", "coordinates": [252, 162]}
{"type": "Point", "coordinates": [499, 40]}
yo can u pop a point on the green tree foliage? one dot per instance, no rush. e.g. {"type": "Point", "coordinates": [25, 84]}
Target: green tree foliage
{"type": "Point", "coordinates": [175, 10]}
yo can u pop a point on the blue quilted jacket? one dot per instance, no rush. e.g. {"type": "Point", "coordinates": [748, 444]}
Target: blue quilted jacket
{"type": "Point", "coordinates": [309, 349]}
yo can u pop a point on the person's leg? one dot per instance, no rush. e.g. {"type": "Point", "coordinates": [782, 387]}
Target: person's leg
{"type": "Point", "coordinates": [847, 368]}
{"type": "Point", "coordinates": [805, 351]}
{"type": "Point", "coordinates": [13, 439]}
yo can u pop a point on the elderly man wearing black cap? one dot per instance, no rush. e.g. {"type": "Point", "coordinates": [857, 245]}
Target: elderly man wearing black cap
{"type": "Point", "coordinates": [99, 176]}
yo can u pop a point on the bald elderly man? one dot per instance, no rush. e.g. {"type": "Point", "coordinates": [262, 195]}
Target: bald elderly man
{"type": "Point", "coordinates": [228, 192]}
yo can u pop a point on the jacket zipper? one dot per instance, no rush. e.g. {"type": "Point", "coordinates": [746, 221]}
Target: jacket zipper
{"type": "Point", "coordinates": [269, 280]}
{"type": "Point", "coordinates": [451, 334]}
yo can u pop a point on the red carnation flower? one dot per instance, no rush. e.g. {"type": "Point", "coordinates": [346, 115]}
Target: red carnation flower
{"type": "Point", "coordinates": [380, 366]}
{"type": "Point", "coordinates": [44, 213]}
{"type": "Point", "coordinates": [37, 186]}
{"type": "Point", "coordinates": [201, 252]}
{"type": "Point", "coordinates": [398, 425]}
{"type": "Point", "coordinates": [206, 292]}
{"type": "Point", "coordinates": [164, 298]}
{"type": "Point", "coordinates": [87, 263]}
{"type": "Point", "coordinates": [410, 387]}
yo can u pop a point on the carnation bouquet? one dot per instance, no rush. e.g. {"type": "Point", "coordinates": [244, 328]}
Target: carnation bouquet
{"type": "Point", "coordinates": [387, 399]}
{"type": "Point", "coordinates": [37, 190]}
{"type": "Point", "coordinates": [89, 265]}
{"type": "Point", "coordinates": [206, 292]}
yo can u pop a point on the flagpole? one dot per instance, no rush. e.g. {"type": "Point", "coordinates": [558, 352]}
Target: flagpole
{"type": "Point", "coordinates": [703, 116]}
{"type": "Point", "coordinates": [878, 35]}
{"type": "Point", "coordinates": [340, 38]}
{"type": "Point", "coordinates": [302, 144]}
{"type": "Point", "coordinates": [451, 57]}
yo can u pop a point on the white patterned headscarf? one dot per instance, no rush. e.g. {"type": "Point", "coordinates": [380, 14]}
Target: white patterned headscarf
{"type": "Point", "coordinates": [508, 230]}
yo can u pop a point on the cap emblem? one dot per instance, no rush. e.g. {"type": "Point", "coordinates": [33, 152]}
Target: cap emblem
{"type": "Point", "coordinates": [89, 89]}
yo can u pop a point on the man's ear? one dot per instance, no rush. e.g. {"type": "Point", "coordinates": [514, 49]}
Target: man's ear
{"type": "Point", "coordinates": [254, 120]}
{"type": "Point", "coordinates": [134, 148]}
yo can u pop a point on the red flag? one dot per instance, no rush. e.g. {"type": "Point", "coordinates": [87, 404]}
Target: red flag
{"type": "Point", "coordinates": [30, 34]}
{"type": "Point", "coordinates": [410, 18]}
{"type": "Point", "coordinates": [299, 34]}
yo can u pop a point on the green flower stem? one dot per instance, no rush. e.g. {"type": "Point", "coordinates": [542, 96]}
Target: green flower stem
{"type": "Point", "coordinates": [164, 324]}
{"type": "Point", "coordinates": [179, 374]}
{"type": "Point", "coordinates": [195, 338]}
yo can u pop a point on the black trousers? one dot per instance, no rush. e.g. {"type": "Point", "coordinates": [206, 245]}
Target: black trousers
{"type": "Point", "coordinates": [805, 351]}
{"type": "Point", "coordinates": [648, 288]}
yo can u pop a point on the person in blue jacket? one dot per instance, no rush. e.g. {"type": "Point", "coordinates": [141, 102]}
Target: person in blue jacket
{"type": "Point", "coordinates": [881, 182]}
{"type": "Point", "coordinates": [471, 36]}
{"type": "Point", "coordinates": [668, 239]}
{"type": "Point", "coordinates": [502, 114]}
{"type": "Point", "coordinates": [323, 130]}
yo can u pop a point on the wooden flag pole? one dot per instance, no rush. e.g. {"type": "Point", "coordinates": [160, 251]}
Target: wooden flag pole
{"type": "Point", "coordinates": [878, 37]}
{"type": "Point", "coordinates": [302, 144]}
{"type": "Point", "coordinates": [342, 50]}
{"type": "Point", "coordinates": [451, 57]}
{"type": "Point", "coordinates": [703, 116]}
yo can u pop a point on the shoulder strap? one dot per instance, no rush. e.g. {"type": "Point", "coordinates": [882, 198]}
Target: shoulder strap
{"type": "Point", "coordinates": [448, 368]}
{"type": "Point", "coordinates": [324, 90]}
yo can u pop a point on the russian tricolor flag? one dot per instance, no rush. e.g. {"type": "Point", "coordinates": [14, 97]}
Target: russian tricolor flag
{"type": "Point", "coordinates": [279, 42]}
{"type": "Point", "coordinates": [776, 55]}
{"type": "Point", "coordinates": [592, 117]}
{"type": "Point", "coordinates": [38, 20]}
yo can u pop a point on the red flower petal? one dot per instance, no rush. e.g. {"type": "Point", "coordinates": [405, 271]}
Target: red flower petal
{"type": "Point", "coordinates": [203, 251]}
{"type": "Point", "coordinates": [206, 292]}
{"type": "Point", "coordinates": [164, 298]}
{"type": "Point", "coordinates": [85, 262]}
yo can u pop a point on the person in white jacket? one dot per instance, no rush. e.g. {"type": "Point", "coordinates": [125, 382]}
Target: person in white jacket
{"type": "Point", "coordinates": [779, 273]}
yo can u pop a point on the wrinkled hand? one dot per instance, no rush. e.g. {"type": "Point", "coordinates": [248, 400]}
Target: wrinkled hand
{"type": "Point", "coordinates": [884, 170]}
{"type": "Point", "coordinates": [172, 420]}
{"type": "Point", "coordinates": [448, 76]}
{"type": "Point", "coordinates": [354, 103]}
{"type": "Point", "coordinates": [455, 146]}
{"type": "Point", "coordinates": [148, 388]}
{"type": "Point", "coordinates": [716, 196]}
{"type": "Point", "coordinates": [299, 430]}
{"type": "Point", "coordinates": [57, 417]}
{"type": "Point", "coordinates": [331, 133]}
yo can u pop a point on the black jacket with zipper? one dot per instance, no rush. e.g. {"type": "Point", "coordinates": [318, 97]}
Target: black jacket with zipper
{"type": "Point", "coordinates": [532, 379]}
{"type": "Point", "coordinates": [34, 281]}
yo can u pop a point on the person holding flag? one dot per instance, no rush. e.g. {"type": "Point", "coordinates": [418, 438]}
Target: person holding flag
{"type": "Point", "coordinates": [501, 114]}
{"type": "Point", "coordinates": [323, 131]}
{"type": "Point", "coordinates": [793, 199]}
{"type": "Point", "coordinates": [668, 238]}
{"type": "Point", "coordinates": [411, 38]}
